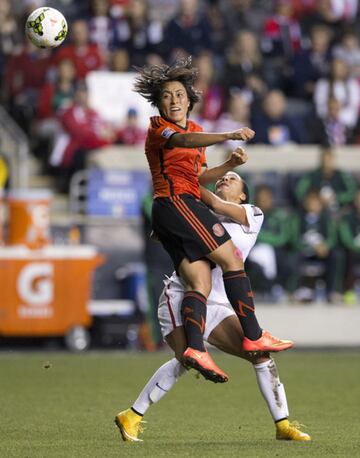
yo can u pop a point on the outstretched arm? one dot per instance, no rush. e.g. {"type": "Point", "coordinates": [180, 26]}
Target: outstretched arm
{"type": "Point", "coordinates": [198, 139]}
{"type": "Point", "coordinates": [237, 157]}
{"type": "Point", "coordinates": [234, 211]}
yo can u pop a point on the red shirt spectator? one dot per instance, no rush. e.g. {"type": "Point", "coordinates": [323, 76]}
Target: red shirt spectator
{"type": "Point", "coordinates": [58, 95]}
{"type": "Point", "coordinates": [84, 126]}
{"type": "Point", "coordinates": [282, 33]}
{"type": "Point", "coordinates": [84, 55]}
{"type": "Point", "coordinates": [131, 133]}
{"type": "Point", "coordinates": [26, 70]}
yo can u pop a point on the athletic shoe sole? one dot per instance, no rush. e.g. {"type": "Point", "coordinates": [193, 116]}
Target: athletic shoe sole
{"type": "Point", "coordinates": [208, 374]}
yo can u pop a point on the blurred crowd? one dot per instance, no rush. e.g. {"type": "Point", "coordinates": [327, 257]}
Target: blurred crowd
{"type": "Point", "coordinates": [280, 66]}
{"type": "Point", "coordinates": [290, 69]}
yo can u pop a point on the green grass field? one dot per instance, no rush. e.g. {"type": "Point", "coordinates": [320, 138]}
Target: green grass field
{"type": "Point", "coordinates": [67, 409]}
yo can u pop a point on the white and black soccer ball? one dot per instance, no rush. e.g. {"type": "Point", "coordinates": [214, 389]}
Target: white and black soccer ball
{"type": "Point", "coordinates": [46, 27]}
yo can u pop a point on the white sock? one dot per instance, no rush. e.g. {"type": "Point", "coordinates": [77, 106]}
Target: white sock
{"type": "Point", "coordinates": [272, 389]}
{"type": "Point", "coordinates": [159, 384]}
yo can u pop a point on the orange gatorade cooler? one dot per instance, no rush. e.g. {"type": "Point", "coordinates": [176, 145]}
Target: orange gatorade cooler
{"type": "Point", "coordinates": [29, 217]}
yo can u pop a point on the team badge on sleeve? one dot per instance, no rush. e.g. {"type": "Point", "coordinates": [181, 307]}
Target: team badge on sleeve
{"type": "Point", "coordinates": [218, 230]}
{"type": "Point", "coordinates": [167, 132]}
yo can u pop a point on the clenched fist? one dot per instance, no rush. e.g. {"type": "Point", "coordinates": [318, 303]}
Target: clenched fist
{"type": "Point", "coordinates": [237, 157]}
{"type": "Point", "coordinates": [245, 134]}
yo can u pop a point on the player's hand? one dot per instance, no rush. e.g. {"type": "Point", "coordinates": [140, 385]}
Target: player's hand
{"type": "Point", "coordinates": [237, 157]}
{"type": "Point", "coordinates": [245, 134]}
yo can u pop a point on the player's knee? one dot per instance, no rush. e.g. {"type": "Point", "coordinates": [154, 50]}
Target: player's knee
{"type": "Point", "coordinates": [201, 286]}
{"type": "Point", "coordinates": [234, 262]}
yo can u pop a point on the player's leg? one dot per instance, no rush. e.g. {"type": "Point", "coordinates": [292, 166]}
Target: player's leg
{"type": "Point", "coordinates": [197, 278]}
{"type": "Point", "coordinates": [129, 421]}
{"type": "Point", "coordinates": [181, 224]}
{"type": "Point", "coordinates": [240, 295]}
{"type": "Point", "coordinates": [226, 336]}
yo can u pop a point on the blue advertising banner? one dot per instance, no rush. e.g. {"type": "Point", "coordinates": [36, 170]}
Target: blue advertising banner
{"type": "Point", "coordinates": [116, 193]}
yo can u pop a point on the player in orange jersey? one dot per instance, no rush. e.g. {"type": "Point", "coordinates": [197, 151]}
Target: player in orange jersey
{"type": "Point", "coordinates": [193, 235]}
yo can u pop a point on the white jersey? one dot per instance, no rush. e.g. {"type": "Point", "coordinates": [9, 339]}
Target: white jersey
{"type": "Point", "coordinates": [244, 237]}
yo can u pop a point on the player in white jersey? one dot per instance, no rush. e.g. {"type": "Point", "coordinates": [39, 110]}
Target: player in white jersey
{"type": "Point", "coordinates": [222, 328]}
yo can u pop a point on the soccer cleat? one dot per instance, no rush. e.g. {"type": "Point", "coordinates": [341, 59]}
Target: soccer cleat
{"type": "Point", "coordinates": [202, 362]}
{"type": "Point", "coordinates": [286, 431]}
{"type": "Point", "coordinates": [129, 424]}
{"type": "Point", "coordinates": [266, 342]}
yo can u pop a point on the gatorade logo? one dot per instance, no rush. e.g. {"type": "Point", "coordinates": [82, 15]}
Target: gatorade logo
{"type": "Point", "coordinates": [35, 288]}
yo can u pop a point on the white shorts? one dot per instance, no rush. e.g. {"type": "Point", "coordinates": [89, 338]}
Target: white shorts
{"type": "Point", "coordinates": [169, 311]}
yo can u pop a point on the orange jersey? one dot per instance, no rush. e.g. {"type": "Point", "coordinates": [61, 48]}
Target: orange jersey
{"type": "Point", "coordinates": [174, 170]}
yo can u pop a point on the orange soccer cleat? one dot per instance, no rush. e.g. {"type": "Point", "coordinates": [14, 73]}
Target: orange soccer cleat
{"type": "Point", "coordinates": [266, 342]}
{"type": "Point", "coordinates": [202, 362]}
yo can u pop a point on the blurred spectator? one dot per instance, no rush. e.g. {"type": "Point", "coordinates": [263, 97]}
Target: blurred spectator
{"type": "Point", "coordinates": [273, 126]}
{"type": "Point", "coordinates": [137, 34]}
{"type": "Point", "coordinates": [314, 241]}
{"type": "Point", "coordinates": [101, 25]}
{"type": "Point", "coordinates": [237, 116]}
{"type": "Point", "coordinates": [323, 14]}
{"type": "Point", "coordinates": [302, 8]}
{"type": "Point", "coordinates": [212, 103]}
{"type": "Point", "coordinates": [54, 97]}
{"type": "Point", "coordinates": [336, 187]}
{"type": "Point", "coordinates": [346, 90]}
{"type": "Point", "coordinates": [272, 250]}
{"type": "Point", "coordinates": [311, 64]}
{"type": "Point", "coordinates": [25, 74]}
{"type": "Point", "coordinates": [120, 61]}
{"type": "Point", "coordinates": [132, 133]}
{"type": "Point", "coordinates": [72, 10]}
{"type": "Point", "coordinates": [345, 10]}
{"type": "Point", "coordinates": [57, 95]}
{"type": "Point", "coordinates": [331, 130]}
{"type": "Point", "coordinates": [83, 130]}
{"type": "Point", "coordinates": [282, 33]}
{"type": "Point", "coordinates": [162, 10]}
{"type": "Point", "coordinates": [188, 31]}
{"type": "Point", "coordinates": [244, 65]}
{"type": "Point", "coordinates": [348, 50]}
{"type": "Point", "coordinates": [218, 30]}
{"type": "Point", "coordinates": [349, 233]}
{"type": "Point", "coordinates": [10, 36]}
{"type": "Point", "coordinates": [245, 14]}
{"type": "Point", "coordinates": [85, 56]}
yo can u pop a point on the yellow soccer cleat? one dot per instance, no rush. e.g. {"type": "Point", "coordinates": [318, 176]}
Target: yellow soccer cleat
{"type": "Point", "coordinates": [129, 424]}
{"type": "Point", "coordinates": [287, 431]}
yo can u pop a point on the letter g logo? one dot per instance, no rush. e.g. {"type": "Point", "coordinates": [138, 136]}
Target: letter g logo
{"type": "Point", "coordinates": [35, 283]}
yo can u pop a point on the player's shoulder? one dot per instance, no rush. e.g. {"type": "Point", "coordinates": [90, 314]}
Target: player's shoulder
{"type": "Point", "coordinates": [158, 121]}
{"type": "Point", "coordinates": [194, 127]}
{"type": "Point", "coordinates": [160, 127]}
{"type": "Point", "coordinates": [255, 211]}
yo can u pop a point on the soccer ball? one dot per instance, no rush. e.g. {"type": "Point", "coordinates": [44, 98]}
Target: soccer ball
{"type": "Point", "coordinates": [46, 27]}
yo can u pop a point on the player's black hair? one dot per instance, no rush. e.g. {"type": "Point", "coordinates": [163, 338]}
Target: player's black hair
{"type": "Point", "coordinates": [150, 81]}
{"type": "Point", "coordinates": [246, 192]}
